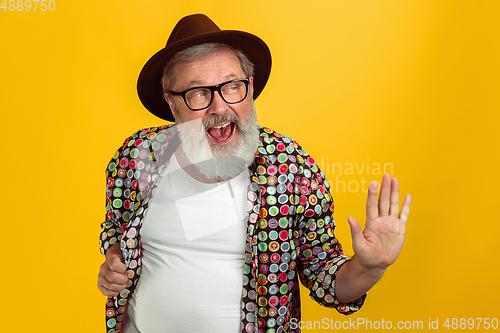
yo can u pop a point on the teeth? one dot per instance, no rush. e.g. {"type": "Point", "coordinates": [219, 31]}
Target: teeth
{"type": "Point", "coordinates": [221, 126]}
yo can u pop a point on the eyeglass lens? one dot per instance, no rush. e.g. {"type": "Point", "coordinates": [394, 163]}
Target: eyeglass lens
{"type": "Point", "coordinates": [231, 92]}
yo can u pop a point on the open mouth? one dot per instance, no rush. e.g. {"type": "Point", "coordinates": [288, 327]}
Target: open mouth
{"type": "Point", "coordinates": [222, 133]}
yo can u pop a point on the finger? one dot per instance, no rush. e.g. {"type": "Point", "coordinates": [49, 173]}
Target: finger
{"type": "Point", "coordinates": [114, 249]}
{"type": "Point", "coordinates": [113, 270]}
{"type": "Point", "coordinates": [110, 289]}
{"type": "Point", "coordinates": [356, 232]}
{"type": "Point", "coordinates": [394, 209]}
{"type": "Point", "coordinates": [405, 210]}
{"type": "Point", "coordinates": [112, 276]}
{"type": "Point", "coordinates": [371, 202]}
{"type": "Point", "coordinates": [104, 290]}
{"type": "Point", "coordinates": [107, 292]}
{"type": "Point", "coordinates": [385, 195]}
{"type": "Point", "coordinates": [110, 283]}
{"type": "Point", "coordinates": [116, 278]}
{"type": "Point", "coordinates": [115, 263]}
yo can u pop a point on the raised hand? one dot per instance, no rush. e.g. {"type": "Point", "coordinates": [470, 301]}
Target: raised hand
{"type": "Point", "coordinates": [380, 243]}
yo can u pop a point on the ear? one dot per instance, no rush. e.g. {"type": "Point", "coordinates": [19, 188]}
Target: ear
{"type": "Point", "coordinates": [250, 86]}
{"type": "Point", "coordinates": [170, 101]}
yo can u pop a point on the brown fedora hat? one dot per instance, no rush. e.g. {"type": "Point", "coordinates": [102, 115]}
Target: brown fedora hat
{"type": "Point", "coordinates": [193, 30]}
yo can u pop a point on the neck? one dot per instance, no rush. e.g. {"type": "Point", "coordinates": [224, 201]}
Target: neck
{"type": "Point", "coordinates": [191, 169]}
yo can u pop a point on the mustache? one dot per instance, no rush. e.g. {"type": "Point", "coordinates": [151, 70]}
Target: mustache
{"type": "Point", "coordinates": [220, 119]}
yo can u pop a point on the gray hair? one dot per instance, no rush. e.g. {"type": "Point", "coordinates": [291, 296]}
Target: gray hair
{"type": "Point", "coordinates": [197, 52]}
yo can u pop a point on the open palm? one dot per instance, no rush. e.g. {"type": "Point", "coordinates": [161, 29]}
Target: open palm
{"type": "Point", "coordinates": [380, 243]}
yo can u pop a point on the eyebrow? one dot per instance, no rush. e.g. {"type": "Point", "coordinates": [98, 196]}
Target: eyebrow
{"type": "Point", "coordinates": [226, 77]}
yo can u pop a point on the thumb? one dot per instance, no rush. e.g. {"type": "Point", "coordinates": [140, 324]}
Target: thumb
{"type": "Point", "coordinates": [115, 263]}
{"type": "Point", "coordinates": [356, 232]}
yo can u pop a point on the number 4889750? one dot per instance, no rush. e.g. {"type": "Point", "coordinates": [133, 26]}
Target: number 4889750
{"type": "Point", "coordinates": [27, 5]}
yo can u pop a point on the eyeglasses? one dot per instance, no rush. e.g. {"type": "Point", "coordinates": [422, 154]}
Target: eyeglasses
{"type": "Point", "coordinates": [199, 98]}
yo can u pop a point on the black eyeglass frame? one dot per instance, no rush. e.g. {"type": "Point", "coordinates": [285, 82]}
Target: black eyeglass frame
{"type": "Point", "coordinates": [212, 89]}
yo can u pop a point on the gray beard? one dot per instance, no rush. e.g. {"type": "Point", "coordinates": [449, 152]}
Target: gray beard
{"type": "Point", "coordinates": [220, 162]}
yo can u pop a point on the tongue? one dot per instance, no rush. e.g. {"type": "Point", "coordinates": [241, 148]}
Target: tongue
{"type": "Point", "coordinates": [220, 133]}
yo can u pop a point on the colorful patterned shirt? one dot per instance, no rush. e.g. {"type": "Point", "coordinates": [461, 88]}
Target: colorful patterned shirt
{"type": "Point", "coordinates": [290, 232]}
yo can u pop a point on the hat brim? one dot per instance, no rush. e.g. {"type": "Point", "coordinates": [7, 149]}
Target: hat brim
{"type": "Point", "coordinates": [149, 85]}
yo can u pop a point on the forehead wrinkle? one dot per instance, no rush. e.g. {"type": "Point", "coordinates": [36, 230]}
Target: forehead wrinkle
{"type": "Point", "coordinates": [227, 77]}
{"type": "Point", "coordinates": [206, 70]}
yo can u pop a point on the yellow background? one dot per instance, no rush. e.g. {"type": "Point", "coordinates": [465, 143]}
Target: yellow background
{"type": "Point", "coordinates": [414, 84]}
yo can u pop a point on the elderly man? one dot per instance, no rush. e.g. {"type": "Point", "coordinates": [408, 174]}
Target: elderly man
{"type": "Point", "coordinates": [212, 222]}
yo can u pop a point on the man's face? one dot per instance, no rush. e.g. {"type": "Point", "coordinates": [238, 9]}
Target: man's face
{"type": "Point", "coordinates": [222, 134]}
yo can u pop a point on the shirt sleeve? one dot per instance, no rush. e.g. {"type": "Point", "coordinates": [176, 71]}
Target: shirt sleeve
{"type": "Point", "coordinates": [117, 205]}
{"type": "Point", "coordinates": [320, 253]}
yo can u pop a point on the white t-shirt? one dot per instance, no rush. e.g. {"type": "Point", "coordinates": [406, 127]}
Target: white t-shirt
{"type": "Point", "coordinates": [193, 246]}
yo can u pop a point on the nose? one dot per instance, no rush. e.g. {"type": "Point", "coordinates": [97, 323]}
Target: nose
{"type": "Point", "coordinates": [218, 105]}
